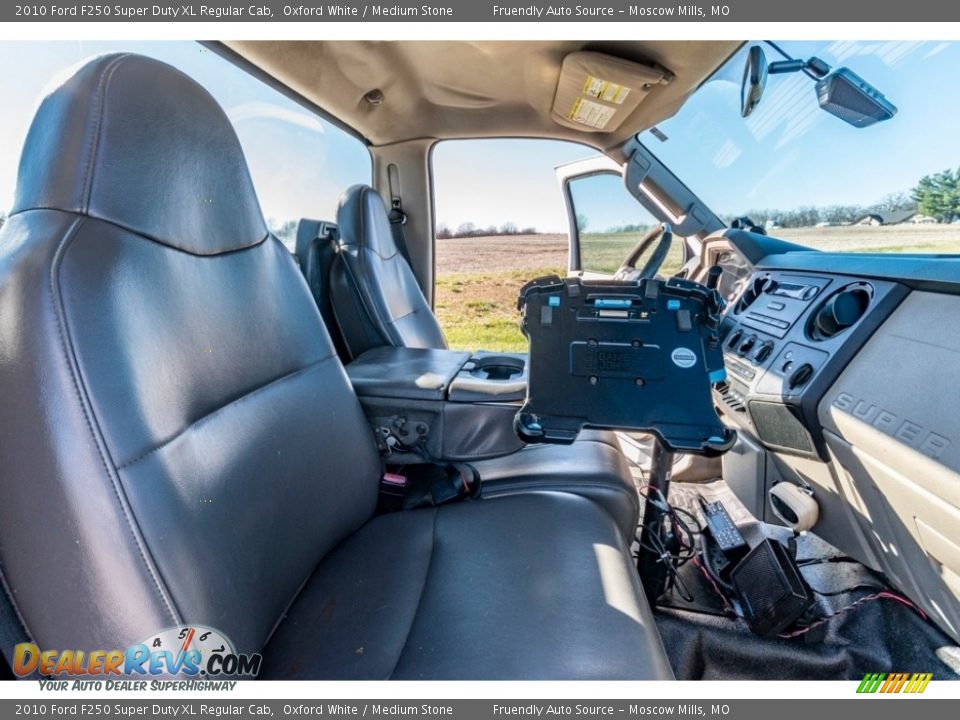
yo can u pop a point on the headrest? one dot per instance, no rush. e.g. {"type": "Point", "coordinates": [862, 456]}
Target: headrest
{"type": "Point", "coordinates": [363, 221]}
{"type": "Point", "coordinates": [309, 233]}
{"type": "Point", "coordinates": [308, 230]}
{"type": "Point", "coordinates": [134, 142]}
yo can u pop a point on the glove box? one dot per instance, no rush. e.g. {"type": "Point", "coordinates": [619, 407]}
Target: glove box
{"type": "Point", "coordinates": [440, 405]}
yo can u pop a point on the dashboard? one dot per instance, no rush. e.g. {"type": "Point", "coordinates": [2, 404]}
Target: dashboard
{"type": "Point", "coordinates": [786, 336]}
{"type": "Point", "coordinates": [841, 377]}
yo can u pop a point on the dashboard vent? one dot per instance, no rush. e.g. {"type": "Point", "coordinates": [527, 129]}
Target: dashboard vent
{"type": "Point", "coordinates": [840, 311]}
{"type": "Point", "coordinates": [732, 398]}
{"type": "Point", "coordinates": [755, 289]}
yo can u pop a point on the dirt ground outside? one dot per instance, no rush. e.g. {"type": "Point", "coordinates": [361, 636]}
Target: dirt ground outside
{"type": "Point", "coordinates": [478, 278]}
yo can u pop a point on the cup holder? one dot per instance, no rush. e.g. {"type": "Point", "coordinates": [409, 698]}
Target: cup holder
{"type": "Point", "coordinates": [497, 367]}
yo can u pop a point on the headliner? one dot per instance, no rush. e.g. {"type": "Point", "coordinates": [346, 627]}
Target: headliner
{"type": "Point", "coordinates": [459, 89]}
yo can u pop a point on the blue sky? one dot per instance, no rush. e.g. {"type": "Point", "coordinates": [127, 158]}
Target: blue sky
{"type": "Point", "coordinates": [791, 153]}
{"type": "Point", "coordinates": [788, 153]}
{"type": "Point", "coordinates": [490, 182]}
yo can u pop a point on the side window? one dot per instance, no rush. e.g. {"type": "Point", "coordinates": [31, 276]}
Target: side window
{"type": "Point", "coordinates": [299, 162]}
{"type": "Point", "coordinates": [610, 222]}
{"type": "Point", "coordinates": [500, 221]}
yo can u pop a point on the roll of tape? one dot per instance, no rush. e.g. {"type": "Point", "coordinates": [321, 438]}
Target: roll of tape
{"type": "Point", "coordinates": [797, 508]}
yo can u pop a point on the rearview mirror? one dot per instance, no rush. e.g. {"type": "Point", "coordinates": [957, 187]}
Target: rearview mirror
{"type": "Point", "coordinates": [840, 92]}
{"type": "Point", "coordinates": [754, 80]}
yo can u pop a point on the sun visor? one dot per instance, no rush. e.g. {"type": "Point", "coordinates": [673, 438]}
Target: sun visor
{"type": "Point", "coordinates": [597, 92]}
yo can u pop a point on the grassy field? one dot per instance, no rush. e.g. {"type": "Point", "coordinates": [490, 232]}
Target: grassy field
{"type": "Point", "coordinates": [478, 278]}
{"type": "Point", "coordinates": [887, 239]}
{"type": "Point", "coordinates": [604, 253]}
{"type": "Point", "coordinates": [478, 310]}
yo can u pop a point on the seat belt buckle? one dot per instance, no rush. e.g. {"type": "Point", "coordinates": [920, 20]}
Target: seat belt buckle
{"type": "Point", "coordinates": [393, 489]}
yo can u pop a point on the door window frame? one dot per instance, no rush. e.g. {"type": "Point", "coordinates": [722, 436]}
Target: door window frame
{"type": "Point", "coordinates": [574, 253]}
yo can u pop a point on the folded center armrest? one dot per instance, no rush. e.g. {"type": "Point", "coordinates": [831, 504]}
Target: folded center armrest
{"type": "Point", "coordinates": [402, 372]}
{"type": "Point", "coordinates": [440, 404]}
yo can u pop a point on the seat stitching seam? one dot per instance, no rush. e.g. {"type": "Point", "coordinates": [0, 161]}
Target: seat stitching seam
{"type": "Point", "coordinates": [213, 413]}
{"type": "Point", "coordinates": [548, 484]}
{"type": "Point", "coordinates": [423, 591]}
{"type": "Point", "coordinates": [385, 326]}
{"type": "Point", "coordinates": [63, 336]}
{"type": "Point", "coordinates": [364, 192]}
{"type": "Point", "coordinates": [376, 322]}
{"type": "Point", "coordinates": [407, 314]}
{"type": "Point", "coordinates": [363, 197]}
{"type": "Point", "coordinates": [141, 235]}
{"type": "Point", "coordinates": [98, 124]}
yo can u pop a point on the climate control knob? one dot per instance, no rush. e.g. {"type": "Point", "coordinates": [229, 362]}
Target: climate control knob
{"type": "Point", "coordinates": [764, 351]}
{"type": "Point", "coordinates": [800, 376]}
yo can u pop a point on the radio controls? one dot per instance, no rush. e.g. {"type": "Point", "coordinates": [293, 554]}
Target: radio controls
{"type": "Point", "coordinates": [767, 320]}
{"type": "Point", "coordinates": [793, 290]}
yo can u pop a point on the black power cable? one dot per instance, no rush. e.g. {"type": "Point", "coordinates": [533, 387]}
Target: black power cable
{"type": "Point", "coordinates": [876, 592]}
{"type": "Point", "coordinates": [680, 546]}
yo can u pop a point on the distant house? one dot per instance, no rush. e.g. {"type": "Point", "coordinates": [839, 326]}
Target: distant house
{"type": "Point", "coordinates": [894, 217]}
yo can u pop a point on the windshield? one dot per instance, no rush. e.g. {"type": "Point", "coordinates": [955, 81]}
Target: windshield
{"type": "Point", "coordinates": [810, 177]}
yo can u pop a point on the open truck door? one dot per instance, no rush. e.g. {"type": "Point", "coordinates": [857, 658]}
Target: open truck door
{"type": "Point", "coordinates": [611, 207]}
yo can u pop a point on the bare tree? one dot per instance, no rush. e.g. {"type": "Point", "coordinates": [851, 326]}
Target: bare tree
{"type": "Point", "coordinates": [897, 201]}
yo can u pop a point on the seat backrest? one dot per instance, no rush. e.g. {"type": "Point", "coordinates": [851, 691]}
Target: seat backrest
{"type": "Point", "coordinates": [174, 415]}
{"type": "Point", "coordinates": [376, 298]}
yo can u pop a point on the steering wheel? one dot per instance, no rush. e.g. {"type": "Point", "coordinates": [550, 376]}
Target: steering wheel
{"type": "Point", "coordinates": [628, 270]}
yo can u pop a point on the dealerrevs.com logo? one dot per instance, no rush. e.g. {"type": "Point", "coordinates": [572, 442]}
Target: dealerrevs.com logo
{"type": "Point", "coordinates": [193, 652]}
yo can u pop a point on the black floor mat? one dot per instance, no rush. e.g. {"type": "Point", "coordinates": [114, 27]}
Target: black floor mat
{"type": "Point", "coordinates": [880, 635]}
{"type": "Point", "coordinates": [704, 642]}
